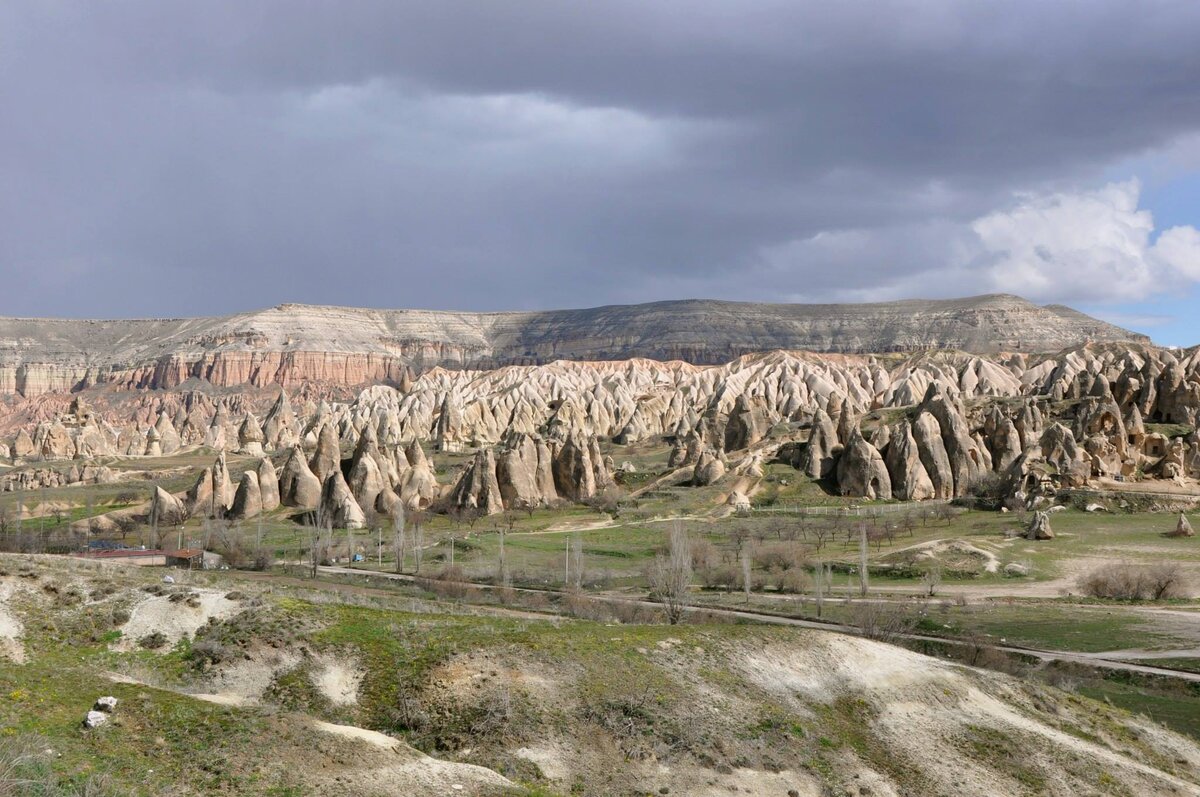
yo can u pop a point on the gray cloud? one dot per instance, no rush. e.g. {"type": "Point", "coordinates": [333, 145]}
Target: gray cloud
{"type": "Point", "coordinates": [164, 158]}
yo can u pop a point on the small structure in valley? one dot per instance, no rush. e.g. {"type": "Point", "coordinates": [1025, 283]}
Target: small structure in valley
{"type": "Point", "coordinates": [194, 559]}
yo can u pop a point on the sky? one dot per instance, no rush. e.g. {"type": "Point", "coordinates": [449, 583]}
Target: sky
{"type": "Point", "coordinates": [177, 159]}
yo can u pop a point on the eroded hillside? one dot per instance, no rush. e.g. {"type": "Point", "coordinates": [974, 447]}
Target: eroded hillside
{"type": "Point", "coordinates": [292, 344]}
{"type": "Point", "coordinates": [290, 694]}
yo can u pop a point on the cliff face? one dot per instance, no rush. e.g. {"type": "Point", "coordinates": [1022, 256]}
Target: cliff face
{"type": "Point", "coordinates": [291, 344]}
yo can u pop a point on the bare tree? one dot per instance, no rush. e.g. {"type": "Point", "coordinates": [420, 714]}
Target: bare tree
{"type": "Point", "coordinates": [882, 621]}
{"type": "Point", "coordinates": [738, 537]}
{"type": "Point", "coordinates": [819, 587]}
{"type": "Point", "coordinates": [418, 546]}
{"type": "Point", "coordinates": [746, 582]}
{"type": "Point", "coordinates": [671, 574]}
{"type": "Point", "coordinates": [1124, 581]}
{"type": "Point", "coordinates": [821, 533]}
{"type": "Point", "coordinates": [577, 559]}
{"type": "Point", "coordinates": [931, 581]}
{"type": "Point", "coordinates": [154, 537]}
{"type": "Point", "coordinates": [314, 545]}
{"type": "Point", "coordinates": [502, 577]}
{"type": "Point", "coordinates": [862, 560]}
{"type": "Point", "coordinates": [398, 536]}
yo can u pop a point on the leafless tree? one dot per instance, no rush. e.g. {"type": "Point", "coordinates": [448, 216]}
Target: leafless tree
{"type": "Point", "coordinates": [577, 559]}
{"type": "Point", "coordinates": [398, 536]}
{"type": "Point", "coordinates": [821, 533]}
{"type": "Point", "coordinates": [1122, 581]}
{"type": "Point", "coordinates": [746, 583]}
{"type": "Point", "coordinates": [863, 575]}
{"type": "Point", "coordinates": [931, 581]}
{"type": "Point", "coordinates": [418, 546]}
{"type": "Point", "coordinates": [502, 576]}
{"type": "Point", "coordinates": [882, 621]}
{"type": "Point", "coordinates": [738, 536]}
{"type": "Point", "coordinates": [819, 587]}
{"type": "Point", "coordinates": [671, 574]}
{"type": "Point", "coordinates": [314, 545]}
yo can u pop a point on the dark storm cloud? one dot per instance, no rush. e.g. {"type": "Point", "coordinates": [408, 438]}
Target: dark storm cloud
{"type": "Point", "coordinates": [170, 158]}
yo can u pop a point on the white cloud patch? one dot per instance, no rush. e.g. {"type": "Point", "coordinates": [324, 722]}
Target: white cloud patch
{"type": "Point", "coordinates": [1094, 245]}
{"type": "Point", "coordinates": [1070, 247]}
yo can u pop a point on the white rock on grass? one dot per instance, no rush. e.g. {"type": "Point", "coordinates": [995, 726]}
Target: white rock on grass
{"type": "Point", "coordinates": [95, 719]}
{"type": "Point", "coordinates": [106, 704]}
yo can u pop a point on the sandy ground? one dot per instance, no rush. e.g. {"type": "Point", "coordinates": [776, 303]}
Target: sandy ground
{"type": "Point", "coordinates": [11, 628]}
{"type": "Point", "coordinates": [338, 680]}
{"type": "Point", "coordinates": [405, 772]}
{"type": "Point", "coordinates": [174, 620]}
{"type": "Point", "coordinates": [245, 681]}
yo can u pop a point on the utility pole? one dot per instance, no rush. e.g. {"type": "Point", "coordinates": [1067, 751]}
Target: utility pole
{"type": "Point", "coordinates": [567, 564]}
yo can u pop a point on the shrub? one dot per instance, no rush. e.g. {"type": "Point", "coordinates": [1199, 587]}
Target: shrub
{"type": "Point", "coordinates": [1160, 581]}
{"type": "Point", "coordinates": [780, 556]}
{"type": "Point", "coordinates": [795, 581]}
{"type": "Point", "coordinates": [206, 652]}
{"type": "Point", "coordinates": [153, 641]}
{"type": "Point", "coordinates": [719, 577]}
{"type": "Point", "coordinates": [449, 583]}
{"type": "Point", "coordinates": [881, 621]}
{"type": "Point", "coordinates": [988, 488]}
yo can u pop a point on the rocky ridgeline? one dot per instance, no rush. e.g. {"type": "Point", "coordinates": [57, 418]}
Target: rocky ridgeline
{"type": "Point", "coordinates": [915, 428]}
{"type": "Point", "coordinates": [291, 345]}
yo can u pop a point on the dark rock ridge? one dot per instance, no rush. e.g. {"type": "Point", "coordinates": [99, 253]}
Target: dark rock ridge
{"type": "Point", "coordinates": [292, 344]}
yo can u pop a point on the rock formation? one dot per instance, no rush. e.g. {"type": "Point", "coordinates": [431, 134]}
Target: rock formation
{"type": "Point", "coordinates": [1039, 527]}
{"type": "Point", "coordinates": [477, 487]}
{"type": "Point", "coordinates": [292, 344]}
{"type": "Point", "coordinates": [298, 485]}
{"type": "Point", "coordinates": [337, 505]}
{"type": "Point", "coordinates": [861, 471]}
{"type": "Point", "coordinates": [910, 481]}
{"type": "Point", "coordinates": [247, 501]}
{"type": "Point", "coordinates": [268, 484]}
{"type": "Point", "coordinates": [166, 509]}
{"type": "Point", "coordinates": [327, 457]}
{"type": "Point", "coordinates": [710, 468]}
